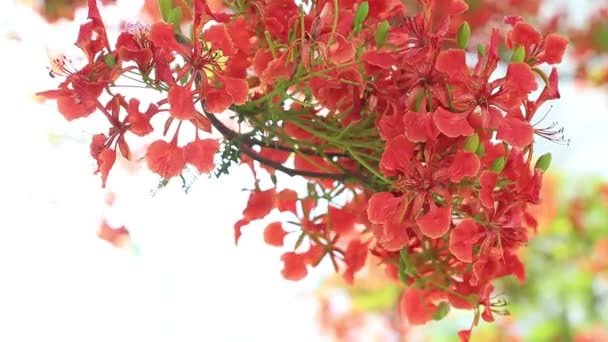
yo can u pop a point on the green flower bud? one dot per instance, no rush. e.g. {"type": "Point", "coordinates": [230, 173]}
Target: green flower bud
{"type": "Point", "coordinates": [463, 35]}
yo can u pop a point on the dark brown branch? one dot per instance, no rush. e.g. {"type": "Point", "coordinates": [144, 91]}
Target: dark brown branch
{"type": "Point", "coordinates": [247, 139]}
{"type": "Point", "coordinates": [248, 143]}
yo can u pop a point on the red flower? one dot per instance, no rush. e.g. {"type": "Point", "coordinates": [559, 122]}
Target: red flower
{"type": "Point", "coordinates": [452, 124]}
{"type": "Point", "coordinates": [465, 164]}
{"type": "Point", "coordinates": [416, 307]}
{"type": "Point", "coordinates": [180, 100]}
{"type": "Point", "coordinates": [342, 220]}
{"type": "Point", "coordinates": [165, 159]}
{"type": "Point", "coordinates": [294, 266]}
{"type": "Point", "coordinates": [354, 258]}
{"type": "Point", "coordinates": [436, 222]}
{"type": "Point", "coordinates": [274, 234]}
{"type": "Point", "coordinates": [462, 239]}
{"type": "Point", "coordinates": [260, 204]}
{"type": "Point", "coordinates": [200, 153]}
{"type": "Point", "coordinates": [488, 181]}
{"type": "Point", "coordinates": [140, 122]}
{"type": "Point", "coordinates": [419, 127]}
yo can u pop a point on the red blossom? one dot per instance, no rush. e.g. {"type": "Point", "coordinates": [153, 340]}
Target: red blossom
{"type": "Point", "coordinates": [200, 153]}
{"type": "Point", "coordinates": [165, 159]}
{"type": "Point", "coordinates": [274, 234]}
{"type": "Point", "coordinates": [436, 222]}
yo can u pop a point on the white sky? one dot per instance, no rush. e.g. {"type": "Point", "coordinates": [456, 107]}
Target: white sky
{"type": "Point", "coordinates": [59, 282]}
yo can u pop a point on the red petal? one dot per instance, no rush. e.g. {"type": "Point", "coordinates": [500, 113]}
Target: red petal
{"type": "Point", "coordinates": [419, 127]}
{"type": "Point", "coordinates": [294, 267]}
{"type": "Point", "coordinates": [524, 34]}
{"type": "Point", "coordinates": [106, 160]}
{"type": "Point", "coordinates": [180, 100]}
{"type": "Point", "coordinates": [140, 123]}
{"type": "Point", "coordinates": [452, 124]}
{"type": "Point", "coordinates": [461, 240]}
{"type": "Point", "coordinates": [286, 200]}
{"type": "Point", "coordinates": [341, 51]}
{"type": "Point", "coordinates": [516, 132]}
{"type": "Point", "coordinates": [163, 35]}
{"type": "Point", "coordinates": [555, 47]}
{"type": "Point", "coordinates": [520, 76]}
{"type": "Point", "coordinates": [382, 205]}
{"type": "Point", "coordinates": [216, 100]}
{"type": "Point", "coordinates": [237, 88]}
{"type": "Point", "coordinates": [260, 204]}
{"type": "Point", "coordinates": [260, 61]}
{"type": "Point", "coordinates": [378, 59]}
{"type": "Point", "coordinates": [465, 164]}
{"type": "Point", "coordinates": [200, 153]}
{"type": "Point", "coordinates": [416, 307]}
{"type": "Point", "coordinates": [397, 155]}
{"type": "Point", "coordinates": [392, 235]}
{"type": "Point", "coordinates": [488, 182]}
{"type": "Point", "coordinates": [220, 39]}
{"type": "Point", "coordinates": [118, 237]}
{"type": "Point", "coordinates": [453, 63]}
{"type": "Point", "coordinates": [342, 220]}
{"type": "Point", "coordinates": [354, 258]}
{"type": "Point", "coordinates": [436, 222]}
{"type": "Point", "coordinates": [276, 70]}
{"type": "Point", "coordinates": [165, 159]}
{"type": "Point", "coordinates": [274, 234]}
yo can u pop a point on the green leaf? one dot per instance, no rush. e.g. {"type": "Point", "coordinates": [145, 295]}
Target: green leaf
{"type": "Point", "coordinates": [463, 36]}
{"type": "Point", "coordinates": [498, 165]}
{"type": "Point", "coordinates": [543, 162]}
{"type": "Point", "coordinates": [165, 7]}
{"type": "Point", "coordinates": [360, 16]}
{"type": "Point", "coordinates": [382, 34]}
{"type": "Point", "coordinates": [175, 17]}
{"type": "Point", "coordinates": [442, 310]}
{"type": "Point", "coordinates": [519, 54]}
{"type": "Point", "coordinates": [109, 60]}
{"type": "Point", "coordinates": [471, 143]}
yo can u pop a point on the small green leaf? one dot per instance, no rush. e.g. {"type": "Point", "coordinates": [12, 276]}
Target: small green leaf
{"type": "Point", "coordinates": [543, 162]}
{"type": "Point", "coordinates": [463, 36]}
{"type": "Point", "coordinates": [498, 165]}
{"type": "Point", "coordinates": [165, 7]}
{"type": "Point", "coordinates": [481, 49]}
{"type": "Point", "coordinates": [471, 143]}
{"type": "Point", "coordinates": [175, 17]}
{"type": "Point", "coordinates": [360, 16]}
{"type": "Point", "coordinates": [109, 60]}
{"type": "Point", "coordinates": [382, 34]}
{"type": "Point", "coordinates": [519, 54]}
{"type": "Point", "coordinates": [442, 310]}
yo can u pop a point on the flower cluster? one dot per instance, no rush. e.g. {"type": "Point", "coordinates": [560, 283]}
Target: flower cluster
{"type": "Point", "coordinates": [417, 150]}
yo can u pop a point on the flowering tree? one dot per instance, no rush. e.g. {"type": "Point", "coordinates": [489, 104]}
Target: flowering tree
{"type": "Point", "coordinates": [418, 151]}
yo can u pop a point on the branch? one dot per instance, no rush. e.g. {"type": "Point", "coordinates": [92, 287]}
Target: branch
{"type": "Point", "coordinates": [248, 151]}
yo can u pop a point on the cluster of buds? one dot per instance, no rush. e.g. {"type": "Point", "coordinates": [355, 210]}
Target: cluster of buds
{"type": "Point", "coordinates": [417, 150]}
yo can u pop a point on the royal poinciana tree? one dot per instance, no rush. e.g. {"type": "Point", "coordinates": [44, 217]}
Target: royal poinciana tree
{"type": "Point", "coordinates": [418, 150]}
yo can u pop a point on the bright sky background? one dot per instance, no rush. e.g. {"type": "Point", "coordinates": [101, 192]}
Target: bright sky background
{"type": "Point", "coordinates": [187, 281]}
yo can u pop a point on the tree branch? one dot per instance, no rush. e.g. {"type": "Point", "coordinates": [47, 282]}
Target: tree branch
{"type": "Point", "coordinates": [248, 143]}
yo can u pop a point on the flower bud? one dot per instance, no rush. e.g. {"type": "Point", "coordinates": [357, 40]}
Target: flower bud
{"type": "Point", "coordinates": [464, 33]}
{"type": "Point", "coordinates": [471, 143]}
{"type": "Point", "coordinates": [360, 16]}
{"type": "Point", "coordinates": [382, 34]}
{"type": "Point", "coordinates": [442, 310]}
{"type": "Point", "coordinates": [498, 165]}
{"type": "Point", "coordinates": [543, 162]}
{"type": "Point", "coordinates": [519, 55]}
